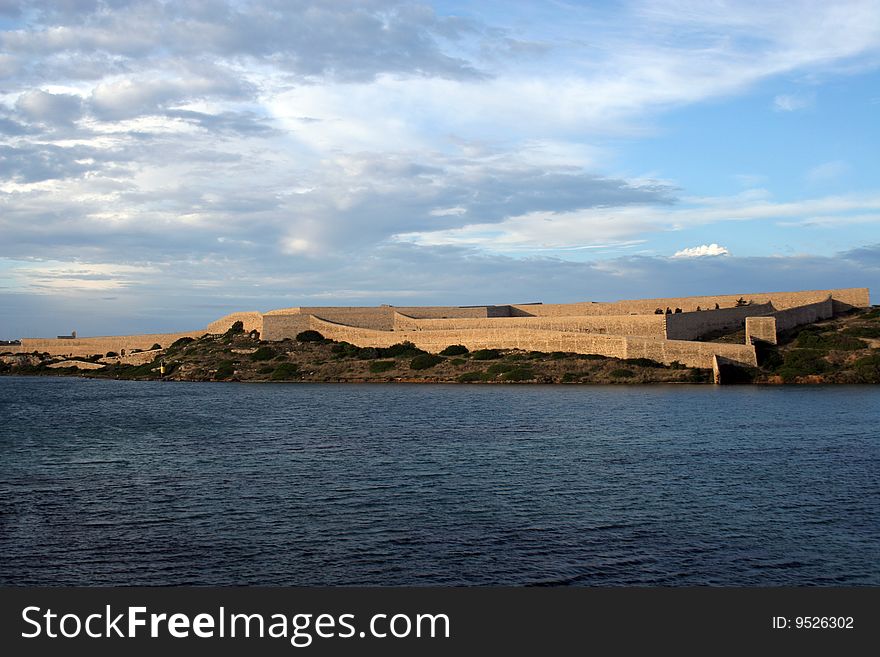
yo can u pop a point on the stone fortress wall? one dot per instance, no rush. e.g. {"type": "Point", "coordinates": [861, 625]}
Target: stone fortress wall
{"type": "Point", "coordinates": [623, 329]}
{"type": "Point", "coordinates": [98, 345]}
{"type": "Point", "coordinates": [646, 325]}
{"type": "Point", "coordinates": [252, 321]}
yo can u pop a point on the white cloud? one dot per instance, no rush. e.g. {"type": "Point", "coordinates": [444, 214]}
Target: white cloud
{"type": "Point", "coordinates": [701, 251]}
{"type": "Point", "coordinates": [791, 102]}
{"type": "Point", "coordinates": [827, 171]}
{"type": "Point", "coordinates": [598, 225]}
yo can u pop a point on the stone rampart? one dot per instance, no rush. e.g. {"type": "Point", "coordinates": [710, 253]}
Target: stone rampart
{"type": "Point", "coordinates": [252, 321]}
{"type": "Point", "coordinates": [793, 317]}
{"type": "Point", "coordinates": [101, 345]}
{"type": "Point", "coordinates": [761, 328]}
{"type": "Point", "coordinates": [646, 325]}
{"type": "Point", "coordinates": [692, 325]}
{"type": "Point", "coordinates": [844, 298]}
{"type": "Point", "coordinates": [693, 354]}
{"type": "Point", "coordinates": [278, 327]}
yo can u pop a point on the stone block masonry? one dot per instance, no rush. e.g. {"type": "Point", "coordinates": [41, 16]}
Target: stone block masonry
{"type": "Point", "coordinates": [622, 329]}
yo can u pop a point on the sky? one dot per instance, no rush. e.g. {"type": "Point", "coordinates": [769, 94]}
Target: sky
{"type": "Point", "coordinates": [165, 163]}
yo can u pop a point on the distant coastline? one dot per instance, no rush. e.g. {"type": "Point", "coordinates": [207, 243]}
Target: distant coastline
{"type": "Point", "coordinates": [844, 349]}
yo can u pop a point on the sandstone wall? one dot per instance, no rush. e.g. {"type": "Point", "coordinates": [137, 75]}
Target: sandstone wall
{"type": "Point", "coordinates": [647, 325]}
{"type": "Point", "coordinates": [844, 298]}
{"type": "Point", "coordinates": [761, 328]}
{"type": "Point", "coordinates": [101, 345]}
{"type": "Point", "coordinates": [792, 317]}
{"type": "Point", "coordinates": [251, 320]}
{"type": "Point", "coordinates": [692, 325]}
{"type": "Point", "coordinates": [278, 327]}
{"type": "Point", "coordinates": [694, 354]}
{"type": "Point", "coordinates": [381, 318]}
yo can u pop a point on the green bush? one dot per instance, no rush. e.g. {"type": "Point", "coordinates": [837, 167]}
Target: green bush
{"type": "Point", "coordinates": [486, 354]}
{"type": "Point", "coordinates": [592, 357]}
{"type": "Point", "coordinates": [867, 369]}
{"type": "Point", "coordinates": [155, 346]}
{"type": "Point", "coordinates": [643, 362]}
{"type": "Point", "coordinates": [863, 331]}
{"type": "Point", "coordinates": [571, 377]}
{"type": "Point", "coordinates": [873, 314]}
{"type": "Point", "coordinates": [425, 361]}
{"type": "Point", "coordinates": [472, 377]}
{"type": "Point", "coordinates": [378, 366]}
{"type": "Point", "coordinates": [285, 371]}
{"type": "Point", "coordinates": [263, 353]}
{"type": "Point", "coordinates": [309, 336]}
{"type": "Point", "coordinates": [181, 342]}
{"type": "Point", "coordinates": [266, 369]}
{"type": "Point", "coordinates": [457, 362]}
{"type": "Point", "coordinates": [368, 353]}
{"type": "Point", "coordinates": [802, 362]}
{"type": "Point", "coordinates": [559, 355]}
{"type": "Point", "coordinates": [225, 370]}
{"type": "Point", "coordinates": [455, 350]}
{"type": "Point", "coordinates": [621, 373]}
{"type": "Point", "coordinates": [518, 374]}
{"type": "Point", "coordinates": [500, 368]}
{"type": "Point", "coordinates": [400, 350]}
{"type": "Point", "coordinates": [237, 327]}
{"type": "Point", "coordinates": [111, 354]}
{"type": "Point", "coordinates": [812, 339]}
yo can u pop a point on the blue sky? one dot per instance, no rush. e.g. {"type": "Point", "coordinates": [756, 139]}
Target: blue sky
{"type": "Point", "coordinates": [163, 163]}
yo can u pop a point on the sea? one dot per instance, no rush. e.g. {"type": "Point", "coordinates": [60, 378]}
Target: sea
{"type": "Point", "coordinates": [159, 483]}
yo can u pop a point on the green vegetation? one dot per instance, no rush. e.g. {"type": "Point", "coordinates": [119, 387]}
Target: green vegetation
{"type": "Point", "coordinates": [155, 346]}
{"type": "Point", "coordinates": [559, 355]}
{"type": "Point", "coordinates": [815, 339]}
{"type": "Point", "coordinates": [111, 354]}
{"type": "Point", "coordinates": [225, 370]}
{"type": "Point", "coordinates": [572, 377]}
{"type": "Point", "coordinates": [180, 342]}
{"type": "Point", "coordinates": [236, 328]}
{"type": "Point", "coordinates": [457, 362]}
{"type": "Point", "coordinates": [309, 336]}
{"type": "Point", "coordinates": [621, 373]}
{"type": "Point", "coordinates": [867, 369]}
{"type": "Point", "coordinates": [486, 354]}
{"type": "Point", "coordinates": [400, 350]}
{"type": "Point", "coordinates": [425, 361]}
{"type": "Point", "coordinates": [592, 357]}
{"type": "Point", "coordinates": [266, 369]}
{"type": "Point", "coordinates": [501, 368]}
{"type": "Point", "coordinates": [643, 362]}
{"type": "Point", "coordinates": [802, 362]}
{"type": "Point", "coordinates": [871, 332]}
{"type": "Point", "coordinates": [518, 374]}
{"type": "Point", "coordinates": [263, 353]}
{"type": "Point", "coordinates": [379, 366]}
{"type": "Point", "coordinates": [455, 350]}
{"type": "Point", "coordinates": [285, 371]}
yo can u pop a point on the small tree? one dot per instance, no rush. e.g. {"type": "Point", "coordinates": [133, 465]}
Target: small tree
{"type": "Point", "coordinates": [309, 336]}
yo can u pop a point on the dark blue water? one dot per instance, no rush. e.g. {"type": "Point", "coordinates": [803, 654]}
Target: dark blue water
{"type": "Point", "coordinates": [106, 482]}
